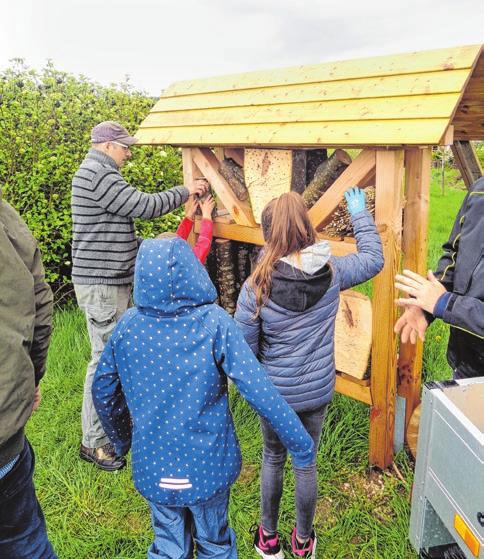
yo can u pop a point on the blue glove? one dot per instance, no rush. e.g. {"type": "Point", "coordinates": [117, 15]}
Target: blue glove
{"type": "Point", "coordinates": [355, 198]}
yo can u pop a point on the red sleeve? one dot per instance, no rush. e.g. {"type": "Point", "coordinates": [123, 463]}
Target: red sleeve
{"type": "Point", "coordinates": [202, 247]}
{"type": "Point", "coordinates": [184, 228]}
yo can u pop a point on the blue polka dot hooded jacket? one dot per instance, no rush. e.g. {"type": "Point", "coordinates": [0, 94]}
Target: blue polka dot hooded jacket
{"type": "Point", "coordinates": [161, 383]}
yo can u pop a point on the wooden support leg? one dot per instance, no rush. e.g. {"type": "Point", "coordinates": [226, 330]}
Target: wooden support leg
{"type": "Point", "coordinates": [190, 172]}
{"type": "Point", "coordinates": [467, 161]}
{"type": "Point", "coordinates": [388, 215]}
{"type": "Point", "coordinates": [414, 245]}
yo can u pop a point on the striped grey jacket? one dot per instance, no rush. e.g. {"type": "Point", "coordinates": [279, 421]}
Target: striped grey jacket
{"type": "Point", "coordinates": [104, 243]}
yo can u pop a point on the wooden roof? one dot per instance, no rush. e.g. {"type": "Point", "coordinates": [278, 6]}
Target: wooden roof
{"type": "Point", "coordinates": [389, 100]}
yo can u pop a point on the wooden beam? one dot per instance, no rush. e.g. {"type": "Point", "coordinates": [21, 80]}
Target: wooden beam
{"type": "Point", "coordinates": [253, 235]}
{"type": "Point", "coordinates": [414, 244]}
{"type": "Point", "coordinates": [467, 161]}
{"type": "Point", "coordinates": [448, 136]}
{"type": "Point", "coordinates": [360, 171]}
{"type": "Point", "coordinates": [208, 164]}
{"type": "Point", "coordinates": [388, 212]}
{"type": "Point", "coordinates": [352, 388]}
{"type": "Point", "coordinates": [190, 173]}
{"type": "Point", "coordinates": [236, 154]}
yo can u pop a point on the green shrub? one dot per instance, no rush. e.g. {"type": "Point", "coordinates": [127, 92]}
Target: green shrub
{"type": "Point", "coordinates": [45, 121]}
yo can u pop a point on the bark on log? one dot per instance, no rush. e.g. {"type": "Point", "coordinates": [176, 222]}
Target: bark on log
{"type": "Point", "coordinates": [314, 158]}
{"type": "Point", "coordinates": [234, 175]}
{"type": "Point", "coordinates": [340, 224]}
{"type": "Point", "coordinates": [298, 180]}
{"type": "Point", "coordinates": [211, 266]}
{"type": "Point", "coordinates": [325, 175]}
{"type": "Point", "coordinates": [226, 275]}
{"type": "Point", "coordinates": [242, 263]}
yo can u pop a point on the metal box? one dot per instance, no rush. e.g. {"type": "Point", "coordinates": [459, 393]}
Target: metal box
{"type": "Point", "coordinates": [448, 491]}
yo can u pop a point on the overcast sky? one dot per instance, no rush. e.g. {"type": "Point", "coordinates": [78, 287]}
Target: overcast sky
{"type": "Point", "coordinates": [157, 42]}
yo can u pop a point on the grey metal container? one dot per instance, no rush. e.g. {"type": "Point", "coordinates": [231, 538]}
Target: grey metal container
{"type": "Point", "coordinates": [449, 476]}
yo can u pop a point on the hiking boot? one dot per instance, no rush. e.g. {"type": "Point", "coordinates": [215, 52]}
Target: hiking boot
{"type": "Point", "coordinates": [306, 549]}
{"type": "Point", "coordinates": [267, 546]}
{"type": "Point", "coordinates": [103, 457]}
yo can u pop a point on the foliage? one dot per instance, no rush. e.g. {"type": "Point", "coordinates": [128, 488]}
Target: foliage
{"type": "Point", "coordinates": [45, 120]}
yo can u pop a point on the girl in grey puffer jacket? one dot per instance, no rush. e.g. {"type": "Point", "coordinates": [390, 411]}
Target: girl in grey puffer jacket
{"type": "Point", "coordinates": [287, 310]}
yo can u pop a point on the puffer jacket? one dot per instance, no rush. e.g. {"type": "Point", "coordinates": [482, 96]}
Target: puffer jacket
{"type": "Point", "coordinates": [25, 327]}
{"type": "Point", "coordinates": [461, 271]}
{"type": "Point", "coordinates": [293, 336]}
{"type": "Point", "coordinates": [165, 369]}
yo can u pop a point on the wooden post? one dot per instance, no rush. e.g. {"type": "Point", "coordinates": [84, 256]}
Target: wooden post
{"type": "Point", "coordinates": [388, 215]}
{"type": "Point", "coordinates": [190, 172]}
{"type": "Point", "coordinates": [414, 245]}
{"type": "Point", "coordinates": [467, 161]}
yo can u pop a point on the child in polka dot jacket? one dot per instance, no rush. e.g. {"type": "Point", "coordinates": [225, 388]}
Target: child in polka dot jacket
{"type": "Point", "coordinates": [161, 384]}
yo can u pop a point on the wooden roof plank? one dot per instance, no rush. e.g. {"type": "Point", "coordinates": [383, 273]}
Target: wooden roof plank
{"type": "Point", "coordinates": [407, 63]}
{"type": "Point", "coordinates": [389, 86]}
{"type": "Point", "coordinates": [414, 106]}
{"type": "Point", "coordinates": [388, 132]}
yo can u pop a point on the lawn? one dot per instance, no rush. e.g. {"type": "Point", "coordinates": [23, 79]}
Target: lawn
{"type": "Point", "coordinates": [97, 515]}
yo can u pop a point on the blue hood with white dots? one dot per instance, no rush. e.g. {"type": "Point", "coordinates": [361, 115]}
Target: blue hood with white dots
{"type": "Point", "coordinates": [161, 383]}
{"type": "Point", "coordinates": [168, 276]}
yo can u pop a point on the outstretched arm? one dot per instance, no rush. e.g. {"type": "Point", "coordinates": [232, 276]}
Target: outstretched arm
{"type": "Point", "coordinates": [368, 261]}
{"type": "Point", "coordinates": [110, 403]}
{"type": "Point", "coordinates": [233, 355]}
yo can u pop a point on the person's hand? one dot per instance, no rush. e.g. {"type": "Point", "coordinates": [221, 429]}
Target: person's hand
{"type": "Point", "coordinates": [198, 187]}
{"type": "Point", "coordinates": [355, 198]}
{"type": "Point", "coordinates": [411, 324]}
{"type": "Point", "coordinates": [424, 293]}
{"type": "Point", "coordinates": [207, 207]}
{"type": "Point", "coordinates": [191, 207]}
{"type": "Point", "coordinates": [37, 399]}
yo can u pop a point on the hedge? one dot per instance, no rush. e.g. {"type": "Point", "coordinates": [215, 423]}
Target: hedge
{"type": "Point", "coordinates": [45, 120]}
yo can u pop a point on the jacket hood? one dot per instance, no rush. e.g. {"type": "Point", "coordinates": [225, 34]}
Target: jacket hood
{"type": "Point", "coordinates": [168, 277]}
{"type": "Point", "coordinates": [299, 282]}
{"type": "Point", "coordinates": [311, 259]}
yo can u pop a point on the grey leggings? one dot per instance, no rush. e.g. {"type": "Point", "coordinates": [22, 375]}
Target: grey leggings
{"type": "Point", "coordinates": [274, 458]}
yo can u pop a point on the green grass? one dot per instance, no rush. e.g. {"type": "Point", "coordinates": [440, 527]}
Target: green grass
{"type": "Point", "coordinates": [96, 515]}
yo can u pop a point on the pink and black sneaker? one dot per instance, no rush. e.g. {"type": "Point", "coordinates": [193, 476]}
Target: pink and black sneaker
{"type": "Point", "coordinates": [307, 549]}
{"type": "Point", "coordinates": [267, 546]}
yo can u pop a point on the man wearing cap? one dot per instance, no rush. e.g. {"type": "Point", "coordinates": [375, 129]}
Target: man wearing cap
{"type": "Point", "coordinates": [104, 248]}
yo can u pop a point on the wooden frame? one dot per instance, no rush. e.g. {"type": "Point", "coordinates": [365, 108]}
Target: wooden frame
{"type": "Point", "coordinates": [386, 168]}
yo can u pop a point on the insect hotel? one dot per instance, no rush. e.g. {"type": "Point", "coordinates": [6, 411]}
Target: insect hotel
{"type": "Point", "coordinates": [318, 130]}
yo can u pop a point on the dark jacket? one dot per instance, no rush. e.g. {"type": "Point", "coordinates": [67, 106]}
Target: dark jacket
{"type": "Point", "coordinates": [293, 337]}
{"type": "Point", "coordinates": [166, 366]}
{"type": "Point", "coordinates": [25, 325]}
{"type": "Point", "coordinates": [461, 271]}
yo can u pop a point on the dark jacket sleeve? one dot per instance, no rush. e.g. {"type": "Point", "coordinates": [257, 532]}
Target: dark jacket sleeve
{"type": "Point", "coordinates": [244, 318]}
{"type": "Point", "coordinates": [234, 357]}
{"type": "Point", "coordinates": [110, 402]}
{"type": "Point", "coordinates": [368, 261]}
{"type": "Point", "coordinates": [446, 265]}
{"type": "Point", "coordinates": [466, 313]}
{"type": "Point", "coordinates": [43, 318]}
{"type": "Point", "coordinates": [116, 196]}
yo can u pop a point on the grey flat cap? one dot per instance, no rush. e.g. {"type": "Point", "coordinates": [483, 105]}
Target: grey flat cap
{"type": "Point", "coordinates": [110, 131]}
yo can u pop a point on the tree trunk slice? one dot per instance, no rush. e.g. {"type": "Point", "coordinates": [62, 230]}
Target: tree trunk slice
{"type": "Point", "coordinates": [412, 430]}
{"type": "Point", "coordinates": [326, 173]}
